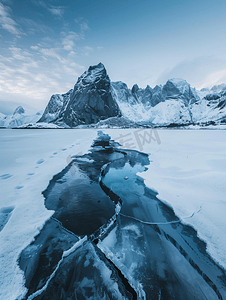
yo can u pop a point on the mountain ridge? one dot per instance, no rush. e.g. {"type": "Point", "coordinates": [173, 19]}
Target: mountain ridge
{"type": "Point", "coordinates": [175, 102]}
{"type": "Point", "coordinates": [96, 101]}
{"type": "Point", "coordinates": [18, 118]}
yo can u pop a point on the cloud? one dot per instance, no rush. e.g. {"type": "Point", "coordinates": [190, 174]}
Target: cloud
{"type": "Point", "coordinates": [33, 71]}
{"type": "Point", "coordinates": [72, 53]}
{"type": "Point", "coordinates": [51, 52]}
{"type": "Point", "coordinates": [55, 10]}
{"type": "Point", "coordinates": [18, 53]}
{"type": "Point", "coordinates": [34, 47]}
{"type": "Point", "coordinates": [84, 26]}
{"type": "Point", "coordinates": [69, 39]}
{"type": "Point", "coordinates": [214, 78]}
{"type": "Point", "coordinates": [7, 22]}
{"type": "Point", "coordinates": [33, 76]}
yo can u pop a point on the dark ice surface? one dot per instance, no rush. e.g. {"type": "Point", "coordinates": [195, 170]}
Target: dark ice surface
{"type": "Point", "coordinates": [5, 214]}
{"type": "Point", "coordinates": [40, 258]}
{"type": "Point", "coordinates": [112, 238]}
{"type": "Point", "coordinates": [152, 246]}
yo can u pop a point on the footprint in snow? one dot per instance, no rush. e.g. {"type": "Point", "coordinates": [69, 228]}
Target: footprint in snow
{"type": "Point", "coordinates": [40, 161]}
{"type": "Point", "coordinates": [54, 153]}
{"type": "Point", "coordinates": [64, 149]}
{"type": "Point", "coordinates": [5, 176]}
{"type": "Point", "coordinates": [30, 174]}
{"type": "Point", "coordinates": [19, 187]}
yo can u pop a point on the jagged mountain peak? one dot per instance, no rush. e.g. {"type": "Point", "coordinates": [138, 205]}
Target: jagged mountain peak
{"type": "Point", "coordinates": [135, 88]}
{"type": "Point", "coordinates": [178, 81]}
{"type": "Point", "coordinates": [91, 100]}
{"type": "Point", "coordinates": [93, 74]}
{"type": "Point", "coordinates": [18, 118]}
{"type": "Point", "coordinates": [99, 67]}
{"type": "Point", "coordinates": [19, 110]}
{"type": "Point", "coordinates": [148, 88]}
{"type": "Point", "coordinates": [218, 88]}
{"type": "Point", "coordinates": [176, 85]}
{"type": "Point", "coordinates": [205, 90]}
{"type": "Point", "coordinates": [157, 88]}
{"type": "Point", "coordinates": [177, 88]}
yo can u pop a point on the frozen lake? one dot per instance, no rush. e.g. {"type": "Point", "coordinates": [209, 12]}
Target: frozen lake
{"type": "Point", "coordinates": [187, 169]}
{"type": "Point", "coordinates": [18, 146]}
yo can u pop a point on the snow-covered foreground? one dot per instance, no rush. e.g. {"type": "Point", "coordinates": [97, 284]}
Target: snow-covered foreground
{"type": "Point", "coordinates": [188, 169]}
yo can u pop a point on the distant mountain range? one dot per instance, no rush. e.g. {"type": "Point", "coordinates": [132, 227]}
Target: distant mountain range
{"type": "Point", "coordinates": [18, 118]}
{"type": "Point", "coordinates": [95, 101]}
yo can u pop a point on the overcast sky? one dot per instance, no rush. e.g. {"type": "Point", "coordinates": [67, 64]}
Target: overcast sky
{"type": "Point", "coordinates": [46, 45]}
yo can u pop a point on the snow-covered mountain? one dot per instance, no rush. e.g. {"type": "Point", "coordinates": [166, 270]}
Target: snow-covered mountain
{"type": "Point", "coordinates": [175, 103]}
{"type": "Point", "coordinates": [95, 98]}
{"type": "Point", "coordinates": [89, 102]}
{"type": "Point", "coordinates": [211, 108]}
{"type": "Point", "coordinates": [56, 104]}
{"type": "Point", "coordinates": [18, 118]}
{"type": "Point", "coordinates": [2, 116]}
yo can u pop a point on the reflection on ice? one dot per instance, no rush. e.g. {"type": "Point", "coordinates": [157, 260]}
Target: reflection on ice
{"type": "Point", "coordinates": [77, 199]}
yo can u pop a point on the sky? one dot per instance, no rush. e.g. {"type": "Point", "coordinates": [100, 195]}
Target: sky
{"type": "Point", "coordinates": [46, 45]}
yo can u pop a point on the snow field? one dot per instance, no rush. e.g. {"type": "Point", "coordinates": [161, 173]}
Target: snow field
{"type": "Point", "coordinates": [188, 170]}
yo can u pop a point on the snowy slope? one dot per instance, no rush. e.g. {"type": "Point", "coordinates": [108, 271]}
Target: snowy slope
{"type": "Point", "coordinates": [170, 112]}
{"type": "Point", "coordinates": [129, 106]}
{"type": "Point", "coordinates": [174, 103]}
{"type": "Point", "coordinates": [56, 104]}
{"type": "Point", "coordinates": [165, 112]}
{"type": "Point", "coordinates": [2, 117]}
{"type": "Point", "coordinates": [211, 108]}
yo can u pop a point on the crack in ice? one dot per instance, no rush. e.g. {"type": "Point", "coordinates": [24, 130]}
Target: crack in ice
{"type": "Point", "coordinates": [65, 254]}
